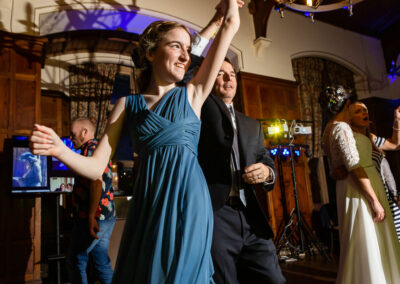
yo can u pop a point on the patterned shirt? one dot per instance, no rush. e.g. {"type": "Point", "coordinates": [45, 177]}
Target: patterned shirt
{"type": "Point", "coordinates": [80, 197]}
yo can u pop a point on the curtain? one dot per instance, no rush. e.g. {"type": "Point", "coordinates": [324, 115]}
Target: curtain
{"type": "Point", "coordinates": [313, 75]}
{"type": "Point", "coordinates": [90, 89]}
{"type": "Point", "coordinates": [308, 74]}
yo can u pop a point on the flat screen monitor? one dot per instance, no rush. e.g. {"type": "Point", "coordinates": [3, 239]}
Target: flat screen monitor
{"type": "Point", "coordinates": [30, 173]}
{"type": "Point", "coordinates": [58, 168]}
{"type": "Point", "coordinates": [61, 184]}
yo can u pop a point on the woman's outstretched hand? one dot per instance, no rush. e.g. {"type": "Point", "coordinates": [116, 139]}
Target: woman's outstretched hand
{"type": "Point", "coordinates": [223, 5]}
{"type": "Point", "coordinates": [379, 212]}
{"type": "Point", "coordinates": [44, 141]}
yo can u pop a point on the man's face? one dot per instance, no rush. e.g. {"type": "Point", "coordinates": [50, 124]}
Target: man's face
{"type": "Point", "coordinates": [225, 84]}
{"type": "Point", "coordinates": [77, 135]}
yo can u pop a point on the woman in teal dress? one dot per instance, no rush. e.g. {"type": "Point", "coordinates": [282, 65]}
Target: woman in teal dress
{"type": "Point", "coordinates": [167, 236]}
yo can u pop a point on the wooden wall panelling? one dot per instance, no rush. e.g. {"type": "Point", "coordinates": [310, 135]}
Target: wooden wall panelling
{"type": "Point", "coordinates": [66, 116]}
{"type": "Point", "coordinates": [49, 113]}
{"type": "Point", "coordinates": [270, 98]}
{"type": "Point", "coordinates": [56, 111]}
{"type": "Point", "coordinates": [4, 103]}
{"type": "Point", "coordinates": [20, 218]}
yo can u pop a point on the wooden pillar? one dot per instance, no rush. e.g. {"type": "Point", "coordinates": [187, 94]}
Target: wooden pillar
{"type": "Point", "coordinates": [20, 217]}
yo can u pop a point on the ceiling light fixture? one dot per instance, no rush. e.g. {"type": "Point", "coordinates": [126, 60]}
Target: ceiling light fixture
{"type": "Point", "coordinates": [311, 7]}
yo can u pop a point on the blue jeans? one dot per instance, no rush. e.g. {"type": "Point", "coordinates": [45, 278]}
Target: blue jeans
{"type": "Point", "coordinates": [83, 244]}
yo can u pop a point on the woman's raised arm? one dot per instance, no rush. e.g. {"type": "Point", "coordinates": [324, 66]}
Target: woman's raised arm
{"type": "Point", "coordinates": [393, 143]}
{"type": "Point", "coordinates": [201, 84]}
{"type": "Point", "coordinates": [44, 141]}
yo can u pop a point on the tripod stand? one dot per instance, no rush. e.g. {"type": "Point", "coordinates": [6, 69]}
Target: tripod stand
{"type": "Point", "coordinates": [304, 241]}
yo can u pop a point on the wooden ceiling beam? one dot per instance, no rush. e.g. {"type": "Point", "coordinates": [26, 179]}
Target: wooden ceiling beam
{"type": "Point", "coordinates": [261, 9]}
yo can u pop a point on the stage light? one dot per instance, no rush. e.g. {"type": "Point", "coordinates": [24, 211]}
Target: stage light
{"type": "Point", "coordinates": [285, 152]}
{"type": "Point", "coordinates": [278, 128]}
{"type": "Point", "coordinates": [274, 129]}
{"type": "Point", "coordinates": [274, 152]}
{"type": "Point", "coordinates": [297, 153]}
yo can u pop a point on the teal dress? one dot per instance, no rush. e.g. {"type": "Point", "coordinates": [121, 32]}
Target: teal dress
{"type": "Point", "coordinates": [168, 233]}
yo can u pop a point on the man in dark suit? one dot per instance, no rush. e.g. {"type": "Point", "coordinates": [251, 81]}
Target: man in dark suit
{"type": "Point", "coordinates": [234, 159]}
{"type": "Point", "coordinates": [242, 247]}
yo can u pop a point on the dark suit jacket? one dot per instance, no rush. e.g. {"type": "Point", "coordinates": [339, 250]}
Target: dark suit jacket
{"type": "Point", "coordinates": [215, 148]}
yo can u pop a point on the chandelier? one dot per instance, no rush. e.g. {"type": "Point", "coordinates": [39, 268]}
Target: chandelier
{"type": "Point", "coordinates": [310, 7]}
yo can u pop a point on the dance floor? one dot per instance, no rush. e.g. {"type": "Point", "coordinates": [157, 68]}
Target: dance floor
{"type": "Point", "coordinates": [310, 270]}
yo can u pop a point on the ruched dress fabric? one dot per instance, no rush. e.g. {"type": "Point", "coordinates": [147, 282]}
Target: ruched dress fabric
{"type": "Point", "coordinates": [369, 252]}
{"type": "Point", "coordinates": [168, 232]}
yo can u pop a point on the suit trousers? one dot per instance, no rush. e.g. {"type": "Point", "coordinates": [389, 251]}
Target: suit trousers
{"type": "Point", "coordinates": [238, 254]}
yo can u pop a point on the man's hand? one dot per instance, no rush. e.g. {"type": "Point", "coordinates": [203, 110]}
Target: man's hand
{"type": "Point", "coordinates": [93, 227]}
{"type": "Point", "coordinates": [223, 5]}
{"type": "Point", "coordinates": [255, 173]}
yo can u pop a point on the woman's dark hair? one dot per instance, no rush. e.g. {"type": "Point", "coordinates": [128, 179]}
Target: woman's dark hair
{"type": "Point", "coordinates": [148, 43]}
{"type": "Point", "coordinates": [333, 99]}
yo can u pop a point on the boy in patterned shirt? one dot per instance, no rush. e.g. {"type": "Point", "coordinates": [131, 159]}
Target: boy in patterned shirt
{"type": "Point", "coordinates": [95, 216]}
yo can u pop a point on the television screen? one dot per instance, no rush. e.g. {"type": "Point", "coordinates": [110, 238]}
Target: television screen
{"type": "Point", "coordinates": [61, 184]}
{"type": "Point", "coordinates": [57, 165]}
{"type": "Point", "coordinates": [29, 172]}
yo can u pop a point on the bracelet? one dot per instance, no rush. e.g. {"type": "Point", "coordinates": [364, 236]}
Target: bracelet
{"type": "Point", "coordinates": [396, 129]}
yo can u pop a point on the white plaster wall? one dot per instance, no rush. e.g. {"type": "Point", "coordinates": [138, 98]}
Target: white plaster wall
{"type": "Point", "coordinates": [292, 36]}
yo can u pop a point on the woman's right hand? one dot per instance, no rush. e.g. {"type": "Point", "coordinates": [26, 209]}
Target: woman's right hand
{"type": "Point", "coordinates": [44, 141]}
{"type": "Point", "coordinates": [379, 212]}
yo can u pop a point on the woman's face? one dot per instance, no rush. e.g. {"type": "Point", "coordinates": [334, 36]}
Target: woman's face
{"type": "Point", "coordinates": [359, 115]}
{"type": "Point", "coordinates": [171, 58]}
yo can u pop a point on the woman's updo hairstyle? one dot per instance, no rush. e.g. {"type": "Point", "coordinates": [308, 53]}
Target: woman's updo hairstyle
{"type": "Point", "coordinates": [333, 99]}
{"type": "Point", "coordinates": [148, 43]}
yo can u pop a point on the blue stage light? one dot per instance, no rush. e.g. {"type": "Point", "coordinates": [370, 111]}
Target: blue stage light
{"type": "Point", "coordinates": [285, 152]}
{"type": "Point", "coordinates": [297, 153]}
{"type": "Point", "coordinates": [274, 152]}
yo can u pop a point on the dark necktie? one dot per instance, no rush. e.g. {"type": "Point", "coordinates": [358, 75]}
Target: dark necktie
{"type": "Point", "coordinates": [235, 158]}
{"type": "Point", "coordinates": [232, 115]}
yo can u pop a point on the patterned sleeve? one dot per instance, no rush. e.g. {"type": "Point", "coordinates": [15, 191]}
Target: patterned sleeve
{"type": "Point", "coordinates": [388, 176]}
{"type": "Point", "coordinates": [90, 149]}
{"type": "Point", "coordinates": [379, 141]}
{"type": "Point", "coordinates": [346, 145]}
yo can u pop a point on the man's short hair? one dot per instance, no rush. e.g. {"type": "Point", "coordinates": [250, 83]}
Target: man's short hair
{"type": "Point", "coordinates": [227, 59]}
{"type": "Point", "coordinates": [86, 122]}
